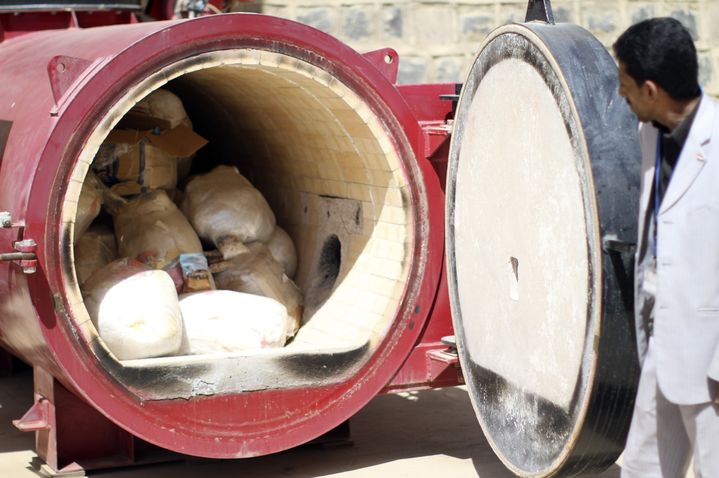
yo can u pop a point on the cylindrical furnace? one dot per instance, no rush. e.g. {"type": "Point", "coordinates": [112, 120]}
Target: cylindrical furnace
{"type": "Point", "coordinates": [353, 166]}
{"type": "Point", "coordinates": [322, 132]}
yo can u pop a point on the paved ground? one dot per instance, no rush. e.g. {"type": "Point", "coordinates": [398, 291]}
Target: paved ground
{"type": "Point", "coordinates": [427, 434]}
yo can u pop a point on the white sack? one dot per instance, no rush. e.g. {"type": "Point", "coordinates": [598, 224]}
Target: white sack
{"type": "Point", "coordinates": [95, 249]}
{"type": "Point", "coordinates": [221, 321]}
{"type": "Point", "coordinates": [88, 205]}
{"type": "Point", "coordinates": [226, 209]}
{"type": "Point", "coordinates": [140, 317]}
{"type": "Point", "coordinates": [153, 228]}
{"type": "Point", "coordinates": [256, 272]}
{"type": "Point", "coordinates": [283, 251]}
{"type": "Point", "coordinates": [97, 285]}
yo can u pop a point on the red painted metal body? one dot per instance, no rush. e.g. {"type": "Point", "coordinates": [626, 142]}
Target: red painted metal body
{"type": "Point", "coordinates": [58, 80]}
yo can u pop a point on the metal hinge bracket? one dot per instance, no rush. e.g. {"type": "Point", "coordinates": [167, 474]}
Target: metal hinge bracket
{"type": "Point", "coordinates": [24, 251]}
{"type": "Point", "coordinates": [36, 419]}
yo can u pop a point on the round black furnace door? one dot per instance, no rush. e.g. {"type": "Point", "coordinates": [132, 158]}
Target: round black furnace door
{"type": "Point", "coordinates": [542, 195]}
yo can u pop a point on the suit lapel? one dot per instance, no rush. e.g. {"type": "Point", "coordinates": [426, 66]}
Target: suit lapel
{"type": "Point", "coordinates": [693, 156]}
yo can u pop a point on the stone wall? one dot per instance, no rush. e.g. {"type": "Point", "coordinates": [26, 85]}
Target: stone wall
{"type": "Point", "coordinates": [437, 40]}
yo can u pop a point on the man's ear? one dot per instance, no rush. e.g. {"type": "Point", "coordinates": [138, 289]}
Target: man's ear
{"type": "Point", "coordinates": [651, 89]}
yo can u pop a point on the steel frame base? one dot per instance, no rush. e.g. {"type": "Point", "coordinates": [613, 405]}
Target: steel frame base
{"type": "Point", "coordinates": [72, 437]}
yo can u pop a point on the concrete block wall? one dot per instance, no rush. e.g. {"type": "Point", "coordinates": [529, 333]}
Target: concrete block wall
{"type": "Point", "coordinates": [437, 39]}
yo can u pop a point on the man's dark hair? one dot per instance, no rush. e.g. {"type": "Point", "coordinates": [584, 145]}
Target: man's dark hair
{"type": "Point", "coordinates": [661, 50]}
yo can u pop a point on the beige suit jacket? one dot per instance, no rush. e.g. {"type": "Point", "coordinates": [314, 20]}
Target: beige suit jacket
{"type": "Point", "coordinates": [686, 324]}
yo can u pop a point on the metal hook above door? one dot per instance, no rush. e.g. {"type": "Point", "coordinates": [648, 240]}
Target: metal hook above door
{"type": "Point", "coordinates": [539, 10]}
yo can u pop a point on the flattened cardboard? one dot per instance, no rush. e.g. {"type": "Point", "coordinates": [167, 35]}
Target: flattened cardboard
{"type": "Point", "coordinates": [180, 141]}
{"type": "Point", "coordinates": [128, 188]}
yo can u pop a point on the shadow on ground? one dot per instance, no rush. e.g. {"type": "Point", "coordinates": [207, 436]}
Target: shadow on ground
{"type": "Point", "coordinates": [418, 434]}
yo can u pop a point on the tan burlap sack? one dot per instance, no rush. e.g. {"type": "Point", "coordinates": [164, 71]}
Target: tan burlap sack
{"type": "Point", "coordinates": [89, 204]}
{"type": "Point", "coordinates": [95, 249]}
{"type": "Point", "coordinates": [283, 251]}
{"type": "Point", "coordinates": [165, 105]}
{"type": "Point", "coordinates": [153, 228]}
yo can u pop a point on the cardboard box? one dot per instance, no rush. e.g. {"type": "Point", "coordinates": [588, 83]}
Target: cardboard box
{"type": "Point", "coordinates": [132, 161]}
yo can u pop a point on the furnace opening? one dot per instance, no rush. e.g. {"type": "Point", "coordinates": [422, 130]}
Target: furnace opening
{"type": "Point", "coordinates": [330, 171]}
{"type": "Point", "coordinates": [323, 280]}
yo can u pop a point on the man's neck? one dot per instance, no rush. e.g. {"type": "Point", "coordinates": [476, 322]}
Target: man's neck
{"type": "Point", "coordinates": [676, 111]}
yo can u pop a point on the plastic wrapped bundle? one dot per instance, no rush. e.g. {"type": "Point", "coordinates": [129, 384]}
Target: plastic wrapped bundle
{"type": "Point", "coordinates": [222, 321]}
{"type": "Point", "coordinates": [226, 209]}
{"type": "Point", "coordinates": [95, 249]}
{"type": "Point", "coordinates": [89, 204]}
{"type": "Point", "coordinates": [190, 273]}
{"type": "Point", "coordinates": [152, 227]}
{"type": "Point", "coordinates": [283, 251]}
{"type": "Point", "coordinates": [256, 272]}
{"type": "Point", "coordinates": [139, 317]}
{"type": "Point", "coordinates": [196, 273]}
{"type": "Point", "coordinates": [165, 105]}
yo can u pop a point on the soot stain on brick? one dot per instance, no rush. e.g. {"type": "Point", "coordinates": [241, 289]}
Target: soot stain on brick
{"type": "Point", "coordinates": [323, 366]}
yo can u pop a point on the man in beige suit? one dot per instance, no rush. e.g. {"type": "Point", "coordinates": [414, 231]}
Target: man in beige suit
{"type": "Point", "coordinates": [676, 416]}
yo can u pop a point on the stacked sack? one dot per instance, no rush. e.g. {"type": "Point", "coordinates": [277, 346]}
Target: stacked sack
{"type": "Point", "coordinates": [140, 261]}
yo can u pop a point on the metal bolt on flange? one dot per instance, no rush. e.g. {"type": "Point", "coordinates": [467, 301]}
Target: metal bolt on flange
{"type": "Point", "coordinates": [5, 220]}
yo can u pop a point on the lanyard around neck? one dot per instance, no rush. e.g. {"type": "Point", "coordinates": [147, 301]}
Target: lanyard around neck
{"type": "Point", "coordinates": [657, 196]}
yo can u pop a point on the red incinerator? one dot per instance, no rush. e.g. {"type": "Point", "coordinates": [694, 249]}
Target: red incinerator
{"type": "Point", "coordinates": [355, 168]}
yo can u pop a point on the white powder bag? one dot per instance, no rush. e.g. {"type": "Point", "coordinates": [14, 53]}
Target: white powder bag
{"type": "Point", "coordinates": [283, 251]}
{"type": "Point", "coordinates": [222, 321]}
{"type": "Point", "coordinates": [102, 280]}
{"type": "Point", "coordinates": [226, 209]}
{"type": "Point", "coordinates": [256, 272]}
{"type": "Point", "coordinates": [139, 317]}
{"type": "Point", "coordinates": [153, 228]}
